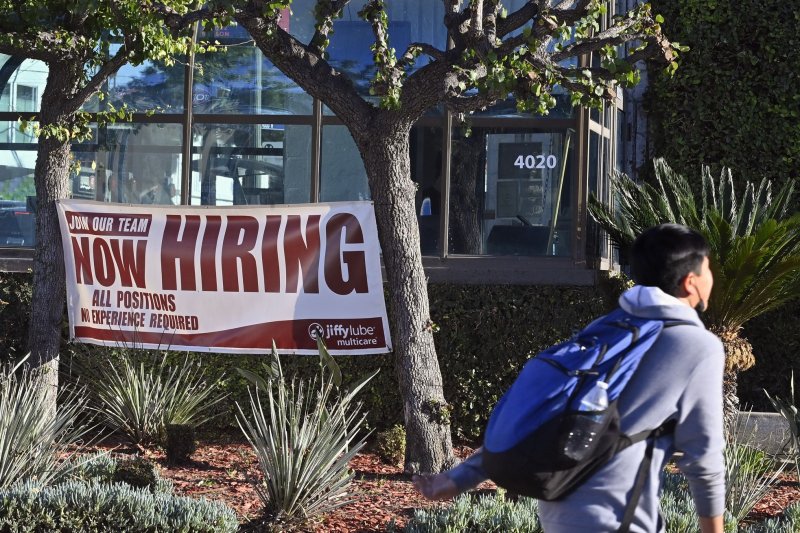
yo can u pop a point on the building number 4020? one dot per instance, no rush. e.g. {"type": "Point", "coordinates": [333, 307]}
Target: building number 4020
{"type": "Point", "coordinates": [536, 161]}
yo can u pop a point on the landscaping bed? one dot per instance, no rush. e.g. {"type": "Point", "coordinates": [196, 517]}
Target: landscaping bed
{"type": "Point", "coordinates": [221, 469]}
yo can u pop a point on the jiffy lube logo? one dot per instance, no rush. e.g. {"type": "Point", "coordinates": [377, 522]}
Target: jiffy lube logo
{"type": "Point", "coordinates": [344, 333]}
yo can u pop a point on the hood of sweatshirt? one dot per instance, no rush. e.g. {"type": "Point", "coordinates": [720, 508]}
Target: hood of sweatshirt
{"type": "Point", "coordinates": [652, 302]}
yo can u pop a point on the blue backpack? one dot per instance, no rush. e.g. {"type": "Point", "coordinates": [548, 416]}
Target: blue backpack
{"type": "Point", "coordinates": [524, 439]}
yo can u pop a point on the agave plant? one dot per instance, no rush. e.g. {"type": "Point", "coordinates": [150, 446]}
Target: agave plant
{"type": "Point", "coordinates": [754, 241]}
{"type": "Point", "coordinates": [33, 439]}
{"type": "Point", "coordinates": [304, 433]}
{"type": "Point", "coordinates": [788, 410]}
{"type": "Point", "coordinates": [140, 400]}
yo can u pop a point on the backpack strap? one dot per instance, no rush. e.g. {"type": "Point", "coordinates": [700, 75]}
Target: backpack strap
{"type": "Point", "coordinates": [644, 469]}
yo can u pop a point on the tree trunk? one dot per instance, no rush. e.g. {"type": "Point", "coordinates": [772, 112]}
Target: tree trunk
{"type": "Point", "coordinates": [384, 146]}
{"type": "Point", "coordinates": [52, 183]}
{"type": "Point", "coordinates": [468, 165]}
{"type": "Point", "coordinates": [738, 357]}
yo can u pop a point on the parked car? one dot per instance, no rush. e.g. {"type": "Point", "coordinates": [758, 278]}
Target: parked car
{"type": "Point", "coordinates": [17, 224]}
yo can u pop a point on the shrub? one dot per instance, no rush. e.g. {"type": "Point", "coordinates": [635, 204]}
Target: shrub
{"type": "Point", "coordinates": [788, 522]}
{"type": "Point", "coordinates": [390, 445]}
{"type": "Point", "coordinates": [32, 437]}
{"type": "Point", "coordinates": [303, 433]}
{"type": "Point", "coordinates": [103, 467]}
{"type": "Point", "coordinates": [477, 514]}
{"type": "Point", "coordinates": [100, 507]}
{"type": "Point", "coordinates": [137, 472]}
{"type": "Point", "coordinates": [788, 409]}
{"type": "Point", "coordinates": [181, 442]}
{"type": "Point", "coordinates": [749, 475]}
{"type": "Point", "coordinates": [141, 400]}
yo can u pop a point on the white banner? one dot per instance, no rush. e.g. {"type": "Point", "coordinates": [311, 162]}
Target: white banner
{"type": "Point", "coordinates": [225, 279]}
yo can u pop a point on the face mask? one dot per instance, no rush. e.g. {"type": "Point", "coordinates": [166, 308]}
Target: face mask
{"type": "Point", "coordinates": [700, 307]}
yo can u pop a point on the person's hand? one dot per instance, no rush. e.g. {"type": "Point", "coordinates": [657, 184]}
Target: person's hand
{"type": "Point", "coordinates": [435, 487]}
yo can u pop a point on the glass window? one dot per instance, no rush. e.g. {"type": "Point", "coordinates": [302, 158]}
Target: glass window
{"type": "Point", "coordinates": [342, 175]}
{"type": "Point", "coordinates": [151, 86]}
{"type": "Point", "coordinates": [17, 161]}
{"type": "Point", "coordinates": [409, 22]}
{"type": "Point", "coordinates": [133, 163]}
{"type": "Point", "coordinates": [240, 80]}
{"type": "Point", "coordinates": [426, 172]}
{"type": "Point", "coordinates": [510, 192]}
{"type": "Point", "coordinates": [23, 88]}
{"type": "Point", "coordinates": [250, 164]}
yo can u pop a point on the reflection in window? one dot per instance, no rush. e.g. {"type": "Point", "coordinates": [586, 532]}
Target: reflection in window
{"type": "Point", "coordinates": [426, 172]}
{"type": "Point", "coordinates": [342, 175]}
{"type": "Point", "coordinates": [249, 164]}
{"type": "Point", "coordinates": [510, 193]}
{"type": "Point", "coordinates": [134, 163]}
{"type": "Point", "coordinates": [239, 79]}
{"type": "Point", "coordinates": [409, 22]}
{"type": "Point", "coordinates": [150, 86]}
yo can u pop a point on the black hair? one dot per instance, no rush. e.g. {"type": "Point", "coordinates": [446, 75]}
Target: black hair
{"type": "Point", "coordinates": [663, 256]}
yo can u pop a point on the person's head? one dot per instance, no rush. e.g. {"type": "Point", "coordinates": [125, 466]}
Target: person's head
{"type": "Point", "coordinates": [673, 258]}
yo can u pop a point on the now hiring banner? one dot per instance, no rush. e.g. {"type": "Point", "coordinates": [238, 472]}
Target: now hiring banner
{"type": "Point", "coordinates": [225, 279]}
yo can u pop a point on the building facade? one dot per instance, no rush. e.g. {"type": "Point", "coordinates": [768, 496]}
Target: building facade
{"type": "Point", "coordinates": [500, 199]}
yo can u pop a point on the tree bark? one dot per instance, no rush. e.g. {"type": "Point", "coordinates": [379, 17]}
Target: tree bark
{"type": "Point", "coordinates": [384, 147]}
{"type": "Point", "coordinates": [468, 165]}
{"type": "Point", "coordinates": [52, 183]}
{"type": "Point", "coordinates": [738, 357]}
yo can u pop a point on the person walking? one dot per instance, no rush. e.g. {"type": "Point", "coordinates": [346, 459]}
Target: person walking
{"type": "Point", "coordinates": [678, 379]}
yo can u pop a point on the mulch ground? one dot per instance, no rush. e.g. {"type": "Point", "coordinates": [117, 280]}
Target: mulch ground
{"type": "Point", "coordinates": [224, 470]}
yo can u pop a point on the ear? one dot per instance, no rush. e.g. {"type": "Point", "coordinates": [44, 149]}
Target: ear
{"type": "Point", "coordinates": [687, 287]}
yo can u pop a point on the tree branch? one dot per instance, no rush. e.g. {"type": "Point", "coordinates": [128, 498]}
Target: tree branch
{"type": "Point", "coordinates": [174, 20]}
{"type": "Point", "coordinates": [302, 64]}
{"type": "Point", "coordinates": [519, 18]}
{"type": "Point", "coordinates": [29, 47]}
{"type": "Point", "coordinates": [415, 49]}
{"type": "Point", "coordinates": [324, 24]}
{"type": "Point", "coordinates": [467, 104]}
{"type": "Point", "coordinates": [107, 69]}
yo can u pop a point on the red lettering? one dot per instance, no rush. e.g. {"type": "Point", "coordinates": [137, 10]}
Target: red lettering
{"type": "Point", "coordinates": [303, 252]}
{"type": "Point", "coordinates": [208, 253]}
{"type": "Point", "coordinates": [174, 249]}
{"type": "Point", "coordinates": [240, 238]}
{"type": "Point", "coordinates": [335, 259]}
{"type": "Point", "coordinates": [128, 264]}
{"type": "Point", "coordinates": [83, 260]}
{"type": "Point", "coordinates": [269, 254]}
{"type": "Point", "coordinates": [103, 262]}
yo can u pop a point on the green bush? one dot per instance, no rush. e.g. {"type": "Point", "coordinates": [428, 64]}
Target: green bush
{"type": "Point", "coordinates": [181, 442]}
{"type": "Point", "coordinates": [747, 118]}
{"type": "Point", "coordinates": [486, 333]}
{"type": "Point", "coordinates": [390, 445]}
{"type": "Point", "coordinates": [788, 522]}
{"type": "Point", "coordinates": [749, 475]}
{"type": "Point", "coordinates": [79, 506]}
{"type": "Point", "coordinates": [15, 309]}
{"type": "Point", "coordinates": [103, 467]}
{"type": "Point", "coordinates": [477, 514]}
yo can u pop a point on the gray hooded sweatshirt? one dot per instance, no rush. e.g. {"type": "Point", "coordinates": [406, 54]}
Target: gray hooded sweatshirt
{"type": "Point", "coordinates": [680, 378]}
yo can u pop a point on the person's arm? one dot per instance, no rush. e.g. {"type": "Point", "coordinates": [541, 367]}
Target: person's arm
{"type": "Point", "coordinates": [453, 482]}
{"type": "Point", "coordinates": [699, 435]}
{"type": "Point", "coordinates": [712, 524]}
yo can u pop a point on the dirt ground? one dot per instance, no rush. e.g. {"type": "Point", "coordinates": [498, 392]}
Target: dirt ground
{"type": "Point", "coordinates": [223, 469]}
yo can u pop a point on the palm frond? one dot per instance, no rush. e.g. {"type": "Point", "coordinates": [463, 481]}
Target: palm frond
{"type": "Point", "coordinates": [754, 239]}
